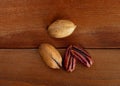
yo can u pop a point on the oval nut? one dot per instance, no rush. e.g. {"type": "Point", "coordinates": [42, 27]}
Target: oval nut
{"type": "Point", "coordinates": [61, 28]}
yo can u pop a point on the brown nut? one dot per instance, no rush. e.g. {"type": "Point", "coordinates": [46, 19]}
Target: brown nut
{"type": "Point", "coordinates": [82, 55]}
{"type": "Point", "coordinates": [61, 28]}
{"type": "Point", "coordinates": [74, 53]}
{"type": "Point", "coordinates": [50, 56]}
{"type": "Point", "coordinates": [69, 61]}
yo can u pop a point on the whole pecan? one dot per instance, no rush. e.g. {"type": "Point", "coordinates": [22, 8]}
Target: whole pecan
{"type": "Point", "coordinates": [74, 53]}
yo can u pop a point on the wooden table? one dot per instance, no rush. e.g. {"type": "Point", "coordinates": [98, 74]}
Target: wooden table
{"type": "Point", "coordinates": [23, 26]}
{"type": "Point", "coordinates": [24, 67]}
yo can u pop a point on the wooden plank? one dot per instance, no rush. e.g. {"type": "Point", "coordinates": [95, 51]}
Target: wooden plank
{"type": "Point", "coordinates": [24, 67]}
{"type": "Point", "coordinates": [23, 23]}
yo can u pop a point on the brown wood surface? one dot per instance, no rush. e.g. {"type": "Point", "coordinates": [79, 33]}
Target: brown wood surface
{"type": "Point", "coordinates": [24, 67]}
{"type": "Point", "coordinates": [23, 23]}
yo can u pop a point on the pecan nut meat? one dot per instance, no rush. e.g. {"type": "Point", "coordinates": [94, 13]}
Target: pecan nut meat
{"type": "Point", "coordinates": [74, 53]}
{"type": "Point", "coordinates": [82, 55]}
{"type": "Point", "coordinates": [69, 60]}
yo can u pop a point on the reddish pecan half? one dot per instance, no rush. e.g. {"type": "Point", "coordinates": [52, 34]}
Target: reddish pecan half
{"type": "Point", "coordinates": [69, 60]}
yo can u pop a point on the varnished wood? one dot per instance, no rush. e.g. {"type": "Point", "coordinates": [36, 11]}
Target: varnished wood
{"type": "Point", "coordinates": [23, 23]}
{"type": "Point", "coordinates": [24, 67]}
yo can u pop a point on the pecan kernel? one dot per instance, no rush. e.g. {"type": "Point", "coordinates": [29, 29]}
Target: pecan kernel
{"type": "Point", "coordinates": [74, 53]}
{"type": "Point", "coordinates": [69, 60]}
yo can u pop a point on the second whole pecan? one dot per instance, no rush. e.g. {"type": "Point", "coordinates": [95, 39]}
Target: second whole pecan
{"type": "Point", "coordinates": [74, 53]}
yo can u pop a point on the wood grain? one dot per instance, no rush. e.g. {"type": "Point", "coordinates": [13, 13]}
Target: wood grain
{"type": "Point", "coordinates": [24, 67]}
{"type": "Point", "coordinates": [23, 23]}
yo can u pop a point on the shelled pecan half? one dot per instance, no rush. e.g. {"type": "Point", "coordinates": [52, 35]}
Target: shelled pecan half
{"type": "Point", "coordinates": [74, 53]}
{"type": "Point", "coordinates": [69, 60]}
